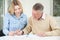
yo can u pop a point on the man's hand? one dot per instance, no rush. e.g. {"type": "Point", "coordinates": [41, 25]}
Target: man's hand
{"type": "Point", "coordinates": [41, 34]}
{"type": "Point", "coordinates": [11, 33]}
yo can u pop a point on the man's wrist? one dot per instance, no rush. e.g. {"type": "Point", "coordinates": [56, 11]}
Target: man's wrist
{"type": "Point", "coordinates": [22, 32]}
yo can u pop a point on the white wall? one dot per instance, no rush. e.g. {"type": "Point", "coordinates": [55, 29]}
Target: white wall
{"type": "Point", "coordinates": [6, 6]}
{"type": "Point", "coordinates": [48, 7]}
{"type": "Point", "coordinates": [27, 6]}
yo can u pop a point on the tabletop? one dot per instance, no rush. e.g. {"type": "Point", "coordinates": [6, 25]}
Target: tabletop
{"type": "Point", "coordinates": [29, 37]}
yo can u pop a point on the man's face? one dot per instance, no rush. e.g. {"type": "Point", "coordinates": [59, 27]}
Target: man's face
{"type": "Point", "coordinates": [37, 14]}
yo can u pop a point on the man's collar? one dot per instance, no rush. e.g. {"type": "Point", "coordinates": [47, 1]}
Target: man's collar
{"type": "Point", "coordinates": [43, 16]}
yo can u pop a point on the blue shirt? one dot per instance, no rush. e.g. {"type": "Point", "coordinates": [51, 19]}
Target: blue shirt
{"type": "Point", "coordinates": [12, 23]}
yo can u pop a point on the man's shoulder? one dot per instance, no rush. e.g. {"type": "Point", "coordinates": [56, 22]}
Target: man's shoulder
{"type": "Point", "coordinates": [30, 17]}
{"type": "Point", "coordinates": [49, 17]}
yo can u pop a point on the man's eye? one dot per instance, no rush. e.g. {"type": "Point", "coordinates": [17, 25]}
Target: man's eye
{"type": "Point", "coordinates": [18, 8]}
{"type": "Point", "coordinates": [15, 9]}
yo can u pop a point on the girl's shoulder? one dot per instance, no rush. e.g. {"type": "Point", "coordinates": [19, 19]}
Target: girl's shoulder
{"type": "Point", "coordinates": [23, 15]}
{"type": "Point", "coordinates": [7, 14]}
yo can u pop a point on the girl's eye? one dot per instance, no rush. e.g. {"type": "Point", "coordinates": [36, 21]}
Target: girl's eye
{"type": "Point", "coordinates": [19, 8]}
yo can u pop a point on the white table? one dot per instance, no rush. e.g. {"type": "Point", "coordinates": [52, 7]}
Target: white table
{"type": "Point", "coordinates": [29, 37]}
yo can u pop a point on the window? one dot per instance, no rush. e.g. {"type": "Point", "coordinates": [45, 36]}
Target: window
{"type": "Point", "coordinates": [56, 7]}
{"type": "Point", "coordinates": [1, 13]}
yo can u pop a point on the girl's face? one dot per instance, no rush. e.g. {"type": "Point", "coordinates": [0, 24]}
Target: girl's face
{"type": "Point", "coordinates": [17, 10]}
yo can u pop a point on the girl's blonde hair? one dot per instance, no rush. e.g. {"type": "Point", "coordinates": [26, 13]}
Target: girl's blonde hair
{"type": "Point", "coordinates": [11, 7]}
